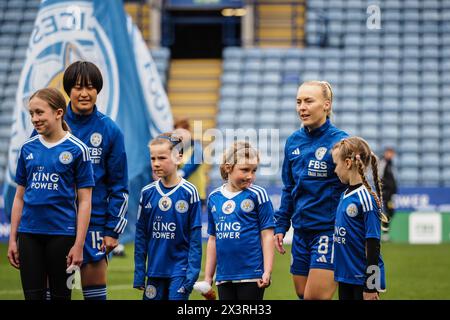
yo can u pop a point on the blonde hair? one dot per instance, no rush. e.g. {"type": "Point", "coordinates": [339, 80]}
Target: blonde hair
{"type": "Point", "coordinates": [238, 151]}
{"type": "Point", "coordinates": [358, 150]}
{"type": "Point", "coordinates": [169, 138]}
{"type": "Point", "coordinates": [327, 91]}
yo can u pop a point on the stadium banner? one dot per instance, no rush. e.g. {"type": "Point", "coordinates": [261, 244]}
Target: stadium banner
{"type": "Point", "coordinates": [132, 95]}
{"type": "Point", "coordinates": [204, 4]}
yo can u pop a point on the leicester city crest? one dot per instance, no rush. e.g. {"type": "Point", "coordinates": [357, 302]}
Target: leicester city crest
{"type": "Point", "coordinates": [247, 205]}
{"type": "Point", "coordinates": [150, 292]}
{"type": "Point", "coordinates": [65, 157]}
{"type": "Point", "coordinates": [320, 153]}
{"type": "Point", "coordinates": [228, 207]}
{"type": "Point", "coordinates": [96, 139]}
{"type": "Point", "coordinates": [181, 206]}
{"type": "Point", "coordinates": [352, 210]}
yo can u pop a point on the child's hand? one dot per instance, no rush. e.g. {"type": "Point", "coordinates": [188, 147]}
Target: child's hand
{"type": "Point", "coordinates": [13, 254]}
{"type": "Point", "coordinates": [278, 239]}
{"type": "Point", "coordinates": [205, 289]}
{"type": "Point", "coordinates": [265, 281]}
{"type": "Point", "coordinates": [371, 296]}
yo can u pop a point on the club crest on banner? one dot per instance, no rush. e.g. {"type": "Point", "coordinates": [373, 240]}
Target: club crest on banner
{"type": "Point", "coordinates": [63, 33]}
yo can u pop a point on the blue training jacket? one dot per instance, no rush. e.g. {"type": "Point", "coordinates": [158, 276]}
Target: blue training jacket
{"type": "Point", "coordinates": [311, 189]}
{"type": "Point", "coordinates": [109, 160]}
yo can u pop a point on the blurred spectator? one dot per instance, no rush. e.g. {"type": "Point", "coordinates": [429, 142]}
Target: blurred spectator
{"type": "Point", "coordinates": [193, 168]}
{"type": "Point", "coordinates": [386, 173]}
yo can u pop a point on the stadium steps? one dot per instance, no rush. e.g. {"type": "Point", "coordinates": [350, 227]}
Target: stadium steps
{"type": "Point", "coordinates": [193, 89]}
{"type": "Point", "coordinates": [280, 24]}
{"type": "Point", "coordinates": [140, 14]}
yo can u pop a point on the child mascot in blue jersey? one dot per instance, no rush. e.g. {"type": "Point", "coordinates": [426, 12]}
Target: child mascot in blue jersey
{"type": "Point", "coordinates": [168, 246]}
{"type": "Point", "coordinates": [52, 205]}
{"type": "Point", "coordinates": [359, 268]}
{"type": "Point", "coordinates": [240, 227]}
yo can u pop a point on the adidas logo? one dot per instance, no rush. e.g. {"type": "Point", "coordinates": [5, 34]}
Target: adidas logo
{"type": "Point", "coordinates": [296, 152]}
{"type": "Point", "coordinates": [322, 259]}
{"type": "Point", "coordinates": [29, 157]}
{"type": "Point", "coordinates": [148, 206]}
{"type": "Point", "coordinates": [213, 209]}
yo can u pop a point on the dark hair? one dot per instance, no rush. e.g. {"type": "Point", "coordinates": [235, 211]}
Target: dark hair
{"type": "Point", "coordinates": [83, 73]}
{"type": "Point", "coordinates": [55, 100]}
{"type": "Point", "coordinates": [173, 140]}
{"type": "Point", "coordinates": [182, 123]}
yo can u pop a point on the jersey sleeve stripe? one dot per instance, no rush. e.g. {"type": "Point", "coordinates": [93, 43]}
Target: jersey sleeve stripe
{"type": "Point", "coordinates": [124, 206]}
{"type": "Point", "coordinates": [81, 145]}
{"type": "Point", "coordinates": [149, 186]}
{"type": "Point", "coordinates": [190, 192]}
{"type": "Point", "coordinates": [31, 139]}
{"type": "Point", "coordinates": [121, 225]}
{"type": "Point", "coordinates": [257, 194]}
{"type": "Point", "coordinates": [369, 198]}
{"type": "Point", "coordinates": [194, 189]}
{"type": "Point", "coordinates": [212, 192]}
{"type": "Point", "coordinates": [365, 201]}
{"type": "Point", "coordinates": [362, 202]}
{"type": "Point", "coordinates": [139, 210]}
{"type": "Point", "coordinates": [82, 148]}
{"type": "Point", "coordinates": [264, 193]}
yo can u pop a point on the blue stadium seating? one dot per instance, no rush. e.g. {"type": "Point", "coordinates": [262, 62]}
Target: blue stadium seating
{"type": "Point", "coordinates": [390, 85]}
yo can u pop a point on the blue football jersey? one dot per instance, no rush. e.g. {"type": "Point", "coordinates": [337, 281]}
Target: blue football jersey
{"type": "Point", "coordinates": [311, 188]}
{"type": "Point", "coordinates": [106, 146]}
{"type": "Point", "coordinates": [236, 220]}
{"type": "Point", "coordinates": [51, 174]}
{"type": "Point", "coordinates": [165, 224]}
{"type": "Point", "coordinates": [357, 219]}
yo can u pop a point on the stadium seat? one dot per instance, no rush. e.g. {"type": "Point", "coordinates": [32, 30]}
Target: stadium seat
{"type": "Point", "coordinates": [251, 77]}
{"type": "Point", "coordinates": [430, 177]}
{"type": "Point", "coordinates": [409, 176]}
{"type": "Point", "coordinates": [370, 132]}
{"type": "Point", "coordinates": [431, 145]}
{"type": "Point", "coordinates": [409, 146]}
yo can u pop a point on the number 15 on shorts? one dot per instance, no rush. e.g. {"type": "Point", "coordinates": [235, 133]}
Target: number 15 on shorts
{"type": "Point", "coordinates": [97, 240]}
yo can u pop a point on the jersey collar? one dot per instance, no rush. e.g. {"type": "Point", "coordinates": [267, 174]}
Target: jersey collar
{"type": "Point", "coordinates": [79, 117]}
{"type": "Point", "coordinates": [318, 131]}
{"type": "Point", "coordinates": [346, 195]}
{"type": "Point", "coordinates": [228, 194]}
{"type": "Point", "coordinates": [50, 145]}
{"type": "Point", "coordinates": [158, 187]}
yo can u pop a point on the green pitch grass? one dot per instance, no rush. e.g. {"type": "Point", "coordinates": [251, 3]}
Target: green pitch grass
{"type": "Point", "coordinates": [413, 272]}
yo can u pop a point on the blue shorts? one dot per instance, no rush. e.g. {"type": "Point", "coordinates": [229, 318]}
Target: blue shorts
{"type": "Point", "coordinates": [92, 251]}
{"type": "Point", "coordinates": [165, 289]}
{"type": "Point", "coordinates": [312, 250]}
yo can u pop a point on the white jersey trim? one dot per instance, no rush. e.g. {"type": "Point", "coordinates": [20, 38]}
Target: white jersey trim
{"type": "Point", "coordinates": [82, 147]}
{"type": "Point", "coordinates": [171, 191]}
{"type": "Point", "coordinates": [50, 145]}
{"type": "Point", "coordinates": [228, 194]}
